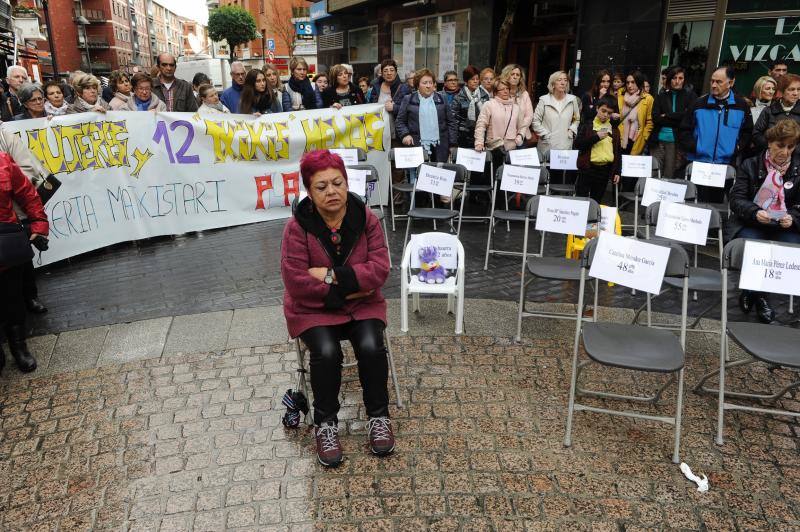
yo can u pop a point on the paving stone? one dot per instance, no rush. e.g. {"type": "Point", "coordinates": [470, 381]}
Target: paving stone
{"type": "Point", "coordinates": [133, 341]}
{"type": "Point", "coordinates": [198, 332]}
{"type": "Point", "coordinates": [259, 326]}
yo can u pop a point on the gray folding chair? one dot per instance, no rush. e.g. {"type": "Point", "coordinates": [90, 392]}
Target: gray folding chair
{"type": "Point", "coordinates": [730, 175]}
{"type": "Point", "coordinates": [638, 193]}
{"type": "Point", "coordinates": [630, 347]}
{"type": "Point", "coordinates": [404, 187]}
{"type": "Point", "coordinates": [700, 279]}
{"type": "Point", "coordinates": [303, 368]}
{"type": "Point", "coordinates": [630, 197]}
{"type": "Point", "coordinates": [773, 345]}
{"type": "Point", "coordinates": [554, 268]}
{"type": "Point", "coordinates": [507, 215]}
{"type": "Point", "coordinates": [438, 213]}
{"type": "Point", "coordinates": [373, 179]}
{"type": "Point", "coordinates": [362, 155]}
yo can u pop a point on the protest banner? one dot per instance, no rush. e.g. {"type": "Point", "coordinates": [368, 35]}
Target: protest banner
{"type": "Point", "coordinates": [132, 175]}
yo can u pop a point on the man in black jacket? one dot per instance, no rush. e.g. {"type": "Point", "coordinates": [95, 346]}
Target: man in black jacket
{"type": "Point", "coordinates": [668, 109]}
{"type": "Point", "coordinates": [16, 77]}
{"type": "Point", "coordinates": [176, 93]}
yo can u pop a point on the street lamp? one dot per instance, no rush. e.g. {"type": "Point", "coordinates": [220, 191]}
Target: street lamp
{"type": "Point", "coordinates": [81, 21]}
{"type": "Point", "coordinates": [54, 61]}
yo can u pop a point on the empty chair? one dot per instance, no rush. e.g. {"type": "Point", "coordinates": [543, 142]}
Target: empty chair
{"type": "Point", "coordinates": [637, 195]}
{"type": "Point", "coordinates": [439, 214]}
{"type": "Point", "coordinates": [730, 175]}
{"type": "Point", "coordinates": [404, 187]}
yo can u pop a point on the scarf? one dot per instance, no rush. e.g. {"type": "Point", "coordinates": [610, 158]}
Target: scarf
{"type": "Point", "coordinates": [217, 107]}
{"type": "Point", "coordinates": [475, 103]}
{"type": "Point", "coordinates": [770, 196]}
{"type": "Point", "coordinates": [52, 110]}
{"type": "Point", "coordinates": [428, 123]}
{"type": "Point", "coordinates": [82, 106]}
{"type": "Point", "coordinates": [630, 124]}
{"type": "Point", "coordinates": [305, 90]}
{"type": "Point", "coordinates": [123, 97]}
{"type": "Point", "coordinates": [142, 105]}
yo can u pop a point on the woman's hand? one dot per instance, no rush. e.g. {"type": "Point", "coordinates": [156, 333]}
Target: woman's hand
{"type": "Point", "coordinates": [318, 273]}
{"type": "Point", "coordinates": [479, 147]}
{"type": "Point", "coordinates": [337, 105]}
{"type": "Point", "coordinates": [99, 109]}
{"type": "Point", "coordinates": [256, 114]}
{"type": "Point", "coordinates": [408, 140]}
{"type": "Point", "coordinates": [786, 222]}
{"type": "Point", "coordinates": [615, 116]}
{"type": "Point", "coordinates": [616, 179]}
{"type": "Point", "coordinates": [359, 295]}
{"type": "Point", "coordinates": [519, 139]}
{"type": "Point", "coordinates": [763, 217]}
{"type": "Point", "coordinates": [389, 106]}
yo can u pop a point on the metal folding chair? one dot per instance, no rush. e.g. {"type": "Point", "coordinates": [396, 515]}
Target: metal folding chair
{"type": "Point", "coordinates": [635, 197]}
{"type": "Point", "coordinates": [403, 187]}
{"type": "Point", "coordinates": [773, 345]}
{"type": "Point", "coordinates": [437, 213]}
{"type": "Point", "coordinates": [730, 175]}
{"type": "Point", "coordinates": [373, 178]}
{"type": "Point", "coordinates": [631, 347]}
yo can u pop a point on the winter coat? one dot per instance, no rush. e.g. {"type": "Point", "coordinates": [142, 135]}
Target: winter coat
{"type": "Point", "coordinates": [399, 91]}
{"type": "Point", "coordinates": [408, 123]}
{"type": "Point", "coordinates": [523, 100]}
{"type": "Point", "coordinates": [183, 100]}
{"type": "Point", "coordinates": [119, 102]}
{"type": "Point", "coordinates": [16, 188]}
{"type": "Point", "coordinates": [9, 106]}
{"type": "Point", "coordinates": [662, 105]}
{"type": "Point", "coordinates": [155, 103]}
{"type": "Point", "coordinates": [459, 113]}
{"type": "Point", "coordinates": [713, 134]}
{"type": "Point", "coordinates": [769, 117]}
{"type": "Point", "coordinates": [211, 110]}
{"type": "Point", "coordinates": [230, 97]}
{"type": "Point", "coordinates": [750, 175]}
{"type": "Point", "coordinates": [308, 302]}
{"type": "Point", "coordinates": [645, 116]}
{"type": "Point", "coordinates": [587, 137]}
{"type": "Point", "coordinates": [495, 128]}
{"type": "Point", "coordinates": [556, 129]}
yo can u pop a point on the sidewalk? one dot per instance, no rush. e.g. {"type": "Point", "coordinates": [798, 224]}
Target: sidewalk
{"type": "Point", "coordinates": [173, 424]}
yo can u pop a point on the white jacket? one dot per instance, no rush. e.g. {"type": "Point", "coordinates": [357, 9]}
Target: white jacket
{"type": "Point", "coordinates": [556, 123]}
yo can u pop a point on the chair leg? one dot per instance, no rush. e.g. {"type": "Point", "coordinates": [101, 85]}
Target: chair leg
{"type": "Point", "coordinates": [522, 283]}
{"type": "Point", "coordinates": [723, 355]}
{"type": "Point", "coordinates": [392, 369]}
{"type": "Point", "coordinates": [386, 239]}
{"type": "Point", "coordinates": [678, 416]}
{"type": "Point", "coordinates": [460, 313]}
{"type": "Point", "coordinates": [488, 244]}
{"type": "Point", "coordinates": [791, 304]}
{"type": "Point", "coordinates": [450, 306]}
{"type": "Point", "coordinates": [403, 307]}
{"type": "Point", "coordinates": [415, 302]}
{"type": "Point", "coordinates": [408, 229]}
{"type": "Point", "coordinates": [391, 200]}
{"type": "Point", "coordinates": [573, 379]}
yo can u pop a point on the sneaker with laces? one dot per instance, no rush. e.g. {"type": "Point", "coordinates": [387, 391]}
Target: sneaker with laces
{"type": "Point", "coordinates": [381, 437]}
{"type": "Point", "coordinates": [329, 451]}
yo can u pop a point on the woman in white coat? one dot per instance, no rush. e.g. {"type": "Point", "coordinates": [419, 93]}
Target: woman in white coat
{"type": "Point", "coordinates": [557, 116]}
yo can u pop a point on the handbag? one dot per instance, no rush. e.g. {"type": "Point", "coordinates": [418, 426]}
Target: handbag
{"type": "Point", "coordinates": [48, 188]}
{"type": "Point", "coordinates": [15, 246]}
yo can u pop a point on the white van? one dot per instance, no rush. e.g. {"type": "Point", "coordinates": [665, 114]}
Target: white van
{"type": "Point", "coordinates": [217, 70]}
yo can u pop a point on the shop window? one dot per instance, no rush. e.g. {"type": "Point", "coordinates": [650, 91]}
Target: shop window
{"type": "Point", "coordinates": [427, 31]}
{"type": "Point", "coordinates": [686, 44]}
{"type": "Point", "coordinates": [363, 44]}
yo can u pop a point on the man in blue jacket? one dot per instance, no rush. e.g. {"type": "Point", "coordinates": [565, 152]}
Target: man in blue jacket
{"type": "Point", "coordinates": [230, 97]}
{"type": "Point", "coordinates": [716, 128]}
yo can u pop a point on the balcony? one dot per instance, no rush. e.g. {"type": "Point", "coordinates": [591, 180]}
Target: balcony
{"type": "Point", "coordinates": [100, 66]}
{"type": "Point", "coordinates": [6, 24]}
{"type": "Point", "coordinates": [93, 42]}
{"type": "Point", "coordinates": [92, 15]}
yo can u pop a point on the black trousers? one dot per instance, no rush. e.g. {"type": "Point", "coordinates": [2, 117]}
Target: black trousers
{"type": "Point", "coordinates": [29, 289]}
{"type": "Point", "coordinates": [12, 302]}
{"type": "Point", "coordinates": [593, 181]}
{"type": "Point", "coordinates": [366, 337]}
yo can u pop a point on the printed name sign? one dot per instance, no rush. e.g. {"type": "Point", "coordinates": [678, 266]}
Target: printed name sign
{"type": "Point", "coordinates": [563, 159]}
{"type": "Point", "coordinates": [436, 180]}
{"type": "Point", "coordinates": [526, 157]}
{"type": "Point", "coordinates": [637, 166]}
{"type": "Point", "coordinates": [446, 245]}
{"type": "Point", "coordinates": [709, 175]}
{"type": "Point", "coordinates": [408, 157]}
{"type": "Point", "coordinates": [683, 223]}
{"type": "Point", "coordinates": [608, 218]}
{"type": "Point", "coordinates": [660, 190]}
{"type": "Point", "coordinates": [562, 215]}
{"type": "Point", "coordinates": [770, 268]}
{"type": "Point", "coordinates": [348, 155]}
{"type": "Point", "coordinates": [357, 181]}
{"type": "Point", "coordinates": [629, 262]}
{"type": "Point", "coordinates": [474, 161]}
{"type": "Point", "coordinates": [522, 179]}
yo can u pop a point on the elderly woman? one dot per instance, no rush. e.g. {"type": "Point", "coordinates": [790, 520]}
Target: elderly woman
{"type": "Point", "coordinates": [334, 262]}
{"type": "Point", "coordinates": [120, 84]}
{"type": "Point", "coordinates": [54, 104]}
{"type": "Point", "coordinates": [87, 96]}
{"type": "Point", "coordinates": [487, 80]}
{"type": "Point", "coordinates": [32, 99]}
{"type": "Point", "coordinates": [765, 200]}
{"type": "Point", "coordinates": [209, 100]}
{"type": "Point", "coordinates": [557, 116]}
{"type": "Point", "coordinates": [388, 89]}
{"type": "Point", "coordinates": [424, 119]}
{"type": "Point", "coordinates": [499, 127]}
{"type": "Point", "coordinates": [15, 188]}
{"type": "Point", "coordinates": [787, 107]}
{"type": "Point", "coordinates": [298, 93]}
{"type": "Point", "coordinates": [763, 92]}
{"type": "Point", "coordinates": [143, 98]}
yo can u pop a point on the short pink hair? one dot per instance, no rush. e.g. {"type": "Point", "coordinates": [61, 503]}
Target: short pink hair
{"type": "Point", "coordinates": [317, 161]}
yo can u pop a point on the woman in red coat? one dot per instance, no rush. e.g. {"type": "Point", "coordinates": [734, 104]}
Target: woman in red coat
{"type": "Point", "coordinates": [334, 262]}
{"type": "Point", "coordinates": [16, 188]}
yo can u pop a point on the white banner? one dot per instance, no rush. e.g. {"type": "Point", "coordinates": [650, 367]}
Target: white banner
{"type": "Point", "coordinates": [770, 267]}
{"type": "Point", "coordinates": [629, 262]}
{"type": "Point", "coordinates": [132, 175]}
{"type": "Point", "coordinates": [447, 48]}
{"type": "Point", "coordinates": [409, 51]}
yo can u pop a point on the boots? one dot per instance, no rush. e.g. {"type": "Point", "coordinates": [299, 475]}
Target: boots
{"type": "Point", "coordinates": [19, 350]}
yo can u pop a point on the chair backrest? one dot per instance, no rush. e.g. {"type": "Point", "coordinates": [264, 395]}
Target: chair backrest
{"type": "Point", "coordinates": [594, 208]}
{"type": "Point", "coordinates": [714, 223]}
{"type": "Point", "coordinates": [439, 239]}
{"type": "Point", "coordinates": [462, 174]}
{"type": "Point", "coordinates": [372, 176]}
{"type": "Point", "coordinates": [362, 155]}
{"type": "Point", "coordinates": [730, 173]}
{"type": "Point", "coordinates": [391, 155]}
{"type": "Point", "coordinates": [656, 169]}
{"type": "Point", "coordinates": [677, 264]}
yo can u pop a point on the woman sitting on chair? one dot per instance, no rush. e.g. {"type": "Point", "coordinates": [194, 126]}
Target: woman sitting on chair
{"type": "Point", "coordinates": [334, 262]}
{"type": "Point", "coordinates": [765, 201]}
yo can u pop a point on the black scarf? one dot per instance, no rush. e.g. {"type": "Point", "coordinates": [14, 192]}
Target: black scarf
{"type": "Point", "coordinates": [304, 88]}
{"type": "Point", "coordinates": [353, 225]}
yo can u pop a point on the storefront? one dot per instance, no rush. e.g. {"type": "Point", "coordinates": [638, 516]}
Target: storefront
{"type": "Point", "coordinates": [748, 34]}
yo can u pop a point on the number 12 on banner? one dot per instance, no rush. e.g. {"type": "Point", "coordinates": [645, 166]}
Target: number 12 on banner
{"type": "Point", "coordinates": [162, 134]}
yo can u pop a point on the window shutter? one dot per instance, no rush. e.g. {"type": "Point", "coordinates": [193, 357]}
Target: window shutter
{"type": "Point", "coordinates": [691, 9]}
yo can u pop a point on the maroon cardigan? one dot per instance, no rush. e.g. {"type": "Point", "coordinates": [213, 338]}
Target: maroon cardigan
{"type": "Point", "coordinates": [308, 302]}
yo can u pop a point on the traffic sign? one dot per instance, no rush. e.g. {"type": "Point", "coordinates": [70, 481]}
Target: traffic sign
{"type": "Point", "coordinates": [271, 45]}
{"type": "Point", "coordinates": [271, 55]}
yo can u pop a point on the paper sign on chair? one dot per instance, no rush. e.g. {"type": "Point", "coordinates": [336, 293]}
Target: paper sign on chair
{"type": "Point", "coordinates": [678, 221]}
{"type": "Point", "coordinates": [357, 181]}
{"type": "Point", "coordinates": [525, 157]}
{"type": "Point", "coordinates": [629, 262]}
{"type": "Point", "coordinates": [709, 175]}
{"type": "Point", "coordinates": [562, 215]}
{"type": "Point", "coordinates": [445, 244]}
{"type": "Point", "coordinates": [348, 155]}
{"type": "Point", "coordinates": [522, 179]}
{"type": "Point", "coordinates": [608, 218]}
{"type": "Point", "coordinates": [637, 166]}
{"type": "Point", "coordinates": [408, 157]}
{"type": "Point", "coordinates": [474, 161]}
{"type": "Point", "coordinates": [563, 159]}
{"type": "Point", "coordinates": [660, 190]}
{"type": "Point", "coordinates": [770, 268]}
{"type": "Point", "coordinates": [438, 181]}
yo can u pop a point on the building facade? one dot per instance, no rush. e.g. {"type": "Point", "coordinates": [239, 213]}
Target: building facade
{"type": "Point", "coordinates": [195, 37]}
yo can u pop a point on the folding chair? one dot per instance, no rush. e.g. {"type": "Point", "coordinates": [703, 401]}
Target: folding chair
{"type": "Point", "coordinates": [373, 178]}
{"type": "Point", "coordinates": [555, 268]}
{"type": "Point", "coordinates": [730, 175]}
{"type": "Point", "coordinates": [638, 192]}
{"type": "Point", "coordinates": [631, 347]}
{"type": "Point", "coordinates": [403, 187]}
{"type": "Point", "coordinates": [507, 215]}
{"type": "Point", "coordinates": [452, 287]}
{"type": "Point", "coordinates": [303, 360]}
{"type": "Point", "coordinates": [700, 279]}
{"type": "Point", "coordinates": [773, 345]}
{"type": "Point", "coordinates": [437, 213]}
{"type": "Point", "coordinates": [630, 197]}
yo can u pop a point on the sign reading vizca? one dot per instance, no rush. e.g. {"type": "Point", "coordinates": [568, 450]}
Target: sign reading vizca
{"type": "Point", "coordinates": [752, 44]}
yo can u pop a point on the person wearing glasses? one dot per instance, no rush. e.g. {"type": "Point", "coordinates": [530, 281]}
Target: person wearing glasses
{"type": "Point", "coordinates": [231, 96]}
{"type": "Point", "coordinates": [450, 87]}
{"type": "Point", "coordinates": [176, 94]}
{"type": "Point", "coordinates": [32, 100]}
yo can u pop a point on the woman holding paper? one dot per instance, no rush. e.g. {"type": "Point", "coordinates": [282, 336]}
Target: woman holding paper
{"type": "Point", "coordinates": [500, 126]}
{"type": "Point", "coordinates": [765, 200]}
{"type": "Point", "coordinates": [334, 262]}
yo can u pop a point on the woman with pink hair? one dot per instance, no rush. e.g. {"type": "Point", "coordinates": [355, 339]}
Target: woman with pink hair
{"type": "Point", "coordinates": [334, 262]}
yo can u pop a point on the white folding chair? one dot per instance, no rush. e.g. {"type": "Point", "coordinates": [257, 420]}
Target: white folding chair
{"type": "Point", "coordinates": [631, 347]}
{"type": "Point", "coordinates": [452, 287]}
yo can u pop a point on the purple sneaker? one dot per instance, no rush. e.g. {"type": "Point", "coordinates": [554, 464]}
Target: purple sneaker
{"type": "Point", "coordinates": [381, 437]}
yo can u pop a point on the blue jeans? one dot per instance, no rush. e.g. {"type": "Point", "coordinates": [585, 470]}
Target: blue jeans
{"type": "Point", "coordinates": [770, 232]}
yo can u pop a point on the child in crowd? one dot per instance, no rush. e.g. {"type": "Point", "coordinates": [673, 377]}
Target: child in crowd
{"type": "Point", "coordinates": [600, 154]}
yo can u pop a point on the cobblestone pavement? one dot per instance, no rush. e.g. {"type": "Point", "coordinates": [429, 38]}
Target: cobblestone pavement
{"type": "Point", "coordinates": [238, 267]}
{"type": "Point", "coordinates": [194, 442]}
